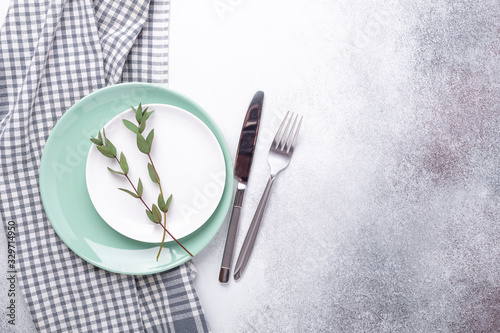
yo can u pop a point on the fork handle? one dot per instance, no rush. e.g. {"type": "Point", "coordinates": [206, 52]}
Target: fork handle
{"type": "Point", "coordinates": [249, 242]}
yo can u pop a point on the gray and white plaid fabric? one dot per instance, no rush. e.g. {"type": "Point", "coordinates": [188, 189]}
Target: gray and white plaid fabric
{"type": "Point", "coordinates": [53, 53]}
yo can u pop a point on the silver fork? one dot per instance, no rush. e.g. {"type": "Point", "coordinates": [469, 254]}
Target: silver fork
{"type": "Point", "coordinates": [280, 154]}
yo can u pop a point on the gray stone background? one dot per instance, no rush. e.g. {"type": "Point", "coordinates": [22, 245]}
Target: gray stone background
{"type": "Point", "coordinates": [387, 219]}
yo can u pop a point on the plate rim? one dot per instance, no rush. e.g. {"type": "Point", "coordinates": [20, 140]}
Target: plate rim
{"type": "Point", "coordinates": [130, 85]}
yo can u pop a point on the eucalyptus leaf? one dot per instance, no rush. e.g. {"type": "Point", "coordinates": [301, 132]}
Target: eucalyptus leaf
{"type": "Point", "coordinates": [156, 213]}
{"type": "Point", "coordinates": [150, 215]}
{"type": "Point", "coordinates": [147, 115]}
{"type": "Point", "coordinates": [169, 200]}
{"type": "Point", "coordinates": [95, 141]}
{"type": "Point", "coordinates": [139, 187]}
{"type": "Point", "coordinates": [108, 144]}
{"type": "Point", "coordinates": [138, 114]}
{"type": "Point", "coordinates": [150, 137]}
{"type": "Point", "coordinates": [142, 144]}
{"type": "Point", "coordinates": [106, 151]}
{"type": "Point", "coordinates": [123, 163]}
{"type": "Point", "coordinates": [129, 192]}
{"type": "Point", "coordinates": [131, 126]}
{"type": "Point", "coordinates": [152, 173]}
{"type": "Point", "coordinates": [144, 112]}
{"type": "Point", "coordinates": [117, 172]}
{"type": "Point", "coordinates": [161, 203]}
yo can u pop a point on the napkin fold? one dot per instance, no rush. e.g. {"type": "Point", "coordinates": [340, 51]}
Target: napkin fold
{"type": "Point", "coordinates": [52, 54]}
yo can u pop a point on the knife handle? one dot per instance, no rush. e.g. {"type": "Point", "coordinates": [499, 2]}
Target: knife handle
{"type": "Point", "coordinates": [249, 241]}
{"type": "Point", "coordinates": [227, 257]}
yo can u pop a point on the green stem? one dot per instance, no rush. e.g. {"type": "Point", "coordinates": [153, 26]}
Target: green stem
{"type": "Point", "coordinates": [164, 231]}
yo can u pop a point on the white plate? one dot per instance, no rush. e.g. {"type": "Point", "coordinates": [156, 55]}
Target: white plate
{"type": "Point", "coordinates": [190, 164]}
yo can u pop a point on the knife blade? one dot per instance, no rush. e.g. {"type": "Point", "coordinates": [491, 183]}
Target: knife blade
{"type": "Point", "coordinates": [243, 164]}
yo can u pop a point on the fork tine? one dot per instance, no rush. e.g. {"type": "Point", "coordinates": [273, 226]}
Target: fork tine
{"type": "Point", "coordinates": [282, 143]}
{"type": "Point", "coordinates": [296, 135]}
{"type": "Point", "coordinates": [290, 134]}
{"type": "Point", "coordinates": [278, 134]}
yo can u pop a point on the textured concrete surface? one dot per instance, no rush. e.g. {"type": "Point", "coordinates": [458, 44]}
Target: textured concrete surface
{"type": "Point", "coordinates": [387, 219]}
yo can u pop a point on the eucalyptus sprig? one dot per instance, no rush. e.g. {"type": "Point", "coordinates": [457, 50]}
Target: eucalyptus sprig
{"type": "Point", "coordinates": [144, 145]}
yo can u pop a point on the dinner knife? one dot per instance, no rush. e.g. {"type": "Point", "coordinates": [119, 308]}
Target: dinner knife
{"type": "Point", "coordinates": [243, 164]}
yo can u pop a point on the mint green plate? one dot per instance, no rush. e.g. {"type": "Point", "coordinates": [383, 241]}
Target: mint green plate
{"type": "Point", "coordinates": [64, 191]}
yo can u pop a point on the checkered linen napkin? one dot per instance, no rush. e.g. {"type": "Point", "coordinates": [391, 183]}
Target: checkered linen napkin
{"type": "Point", "coordinates": [53, 53]}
